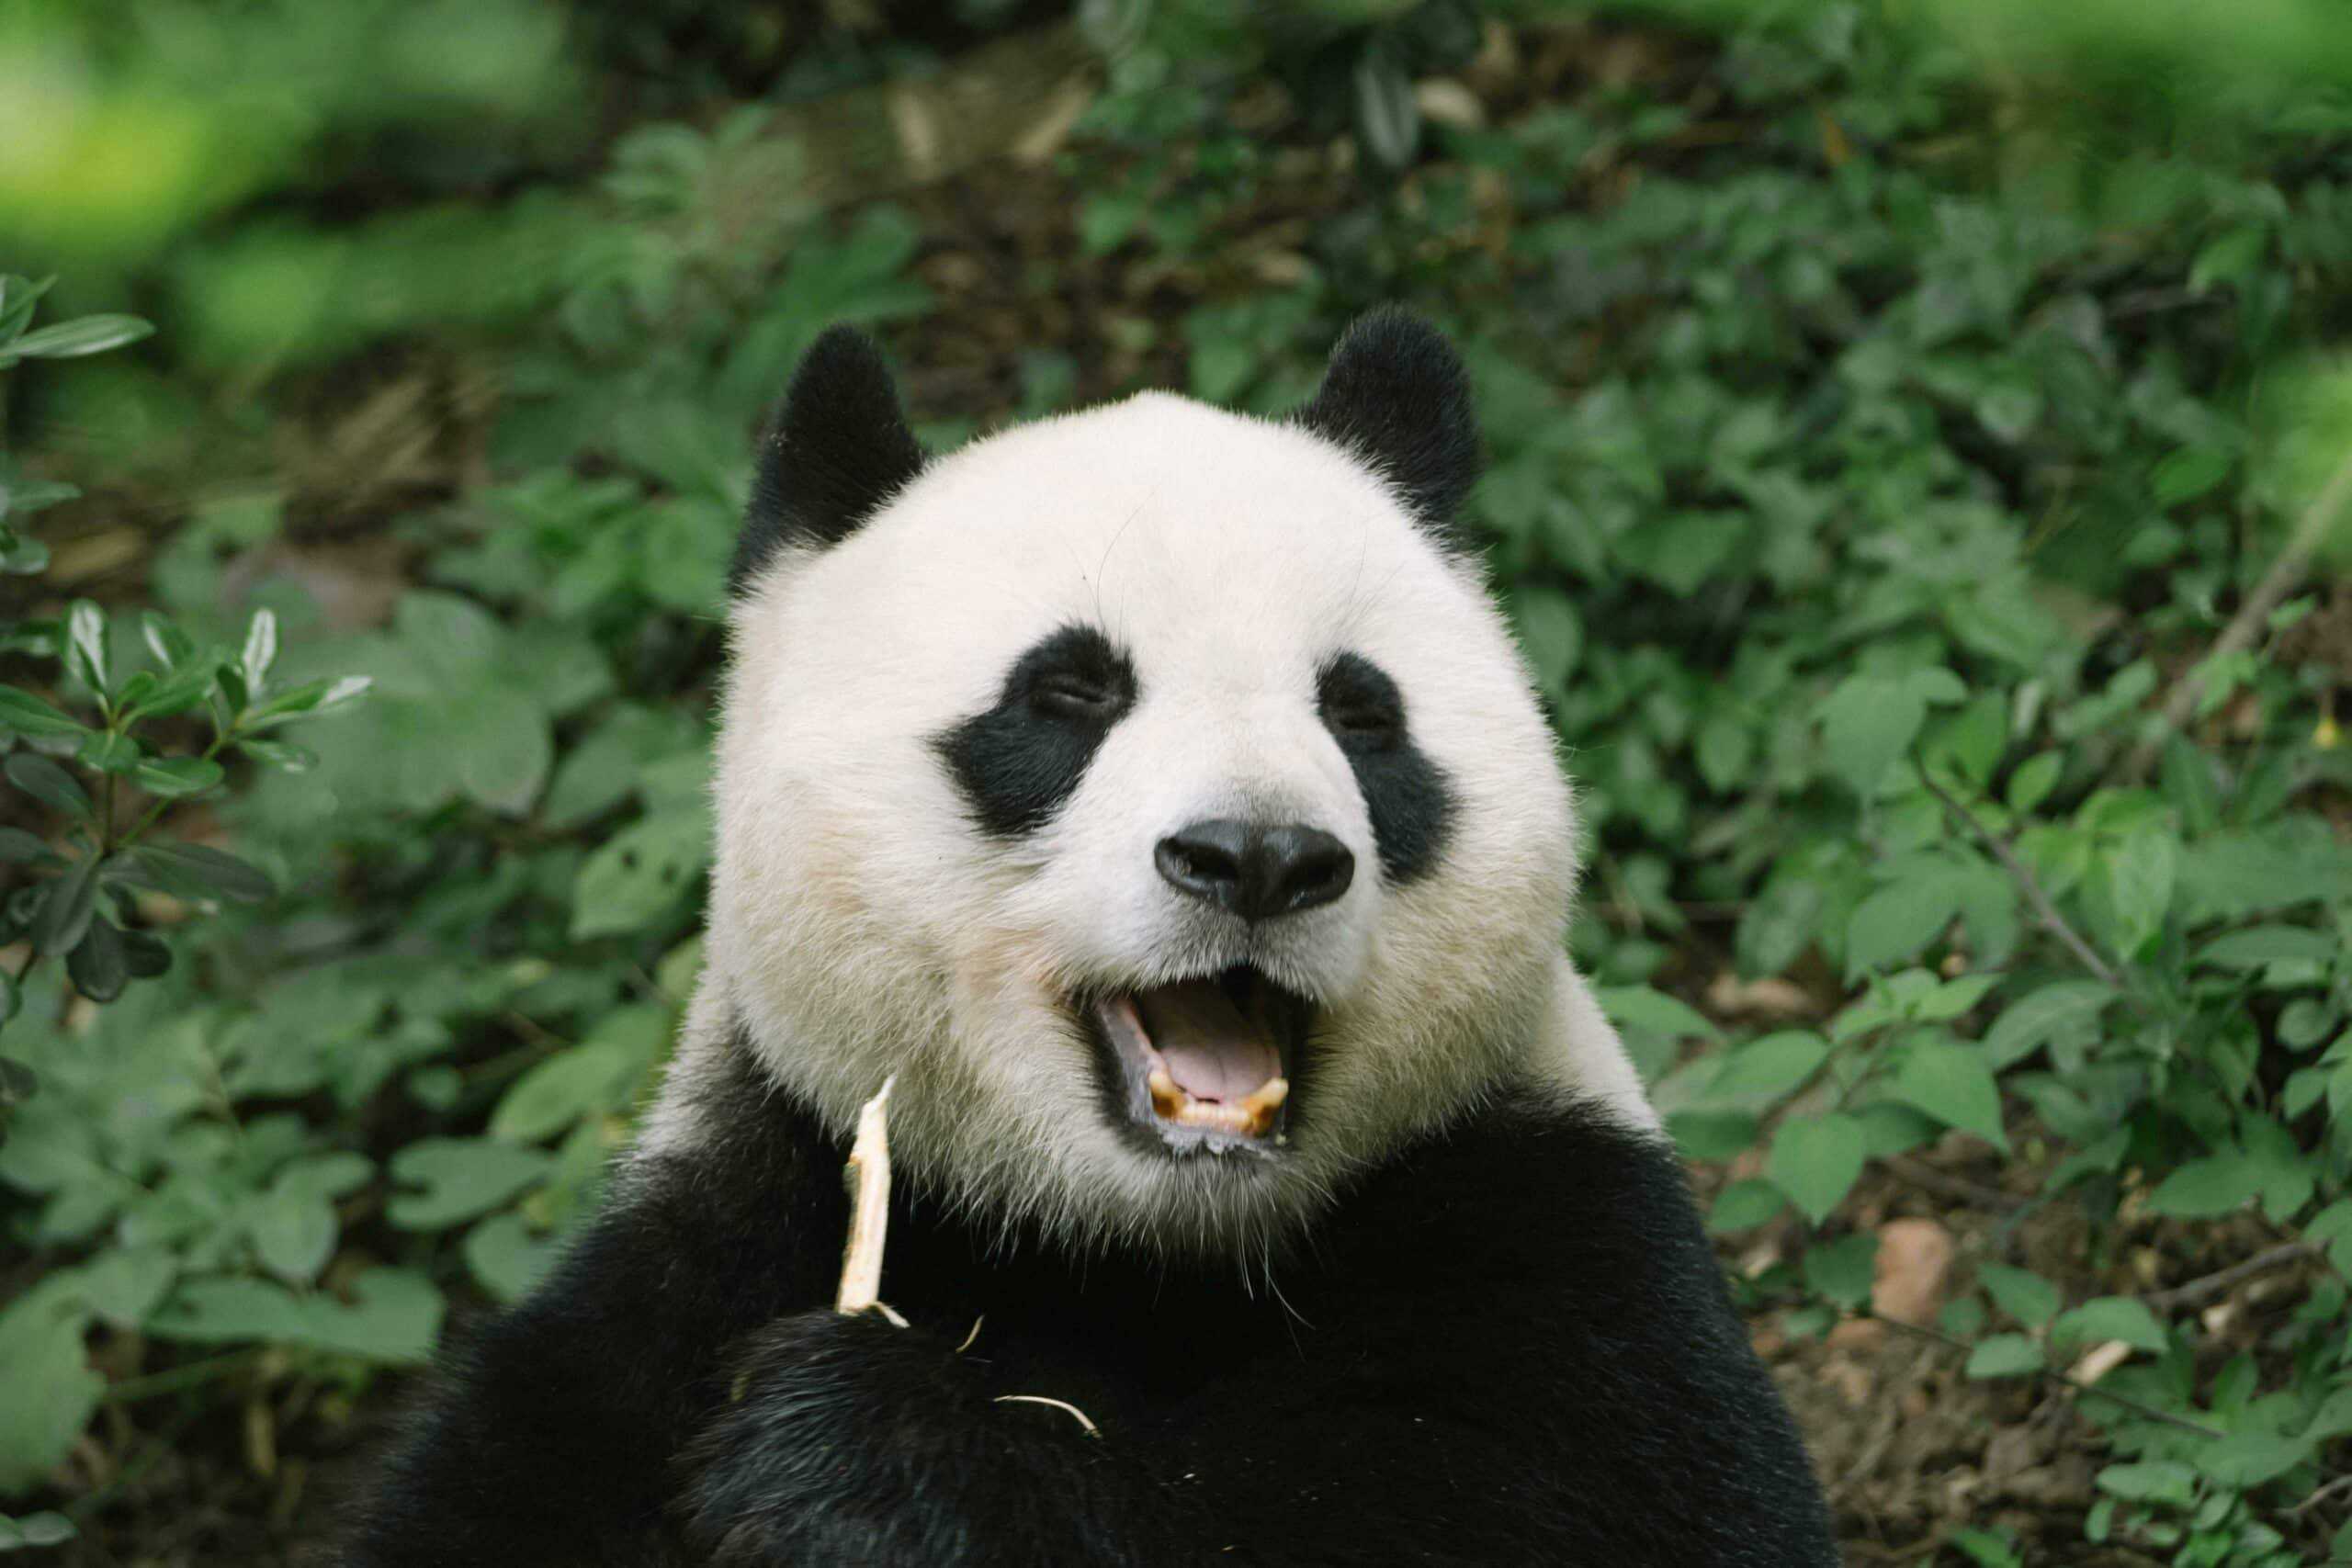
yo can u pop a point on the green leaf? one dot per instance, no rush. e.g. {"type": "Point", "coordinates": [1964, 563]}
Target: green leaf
{"type": "Point", "coordinates": [67, 906]}
{"type": "Point", "coordinates": [85, 645]}
{"type": "Point", "coordinates": [283, 755]}
{"type": "Point", "coordinates": [1711, 1134]}
{"type": "Point", "coordinates": [2140, 874]}
{"type": "Point", "coordinates": [2156, 1481]}
{"type": "Point", "coordinates": [228, 1308]}
{"type": "Point", "coordinates": [1762, 1070]}
{"type": "Point", "coordinates": [174, 778]}
{"type": "Point", "coordinates": [313, 698]}
{"type": "Point", "coordinates": [2205, 1188]}
{"type": "Point", "coordinates": [47, 1527]}
{"type": "Point", "coordinates": [587, 1079]}
{"type": "Point", "coordinates": [183, 688]}
{"type": "Point", "coordinates": [1742, 1205]}
{"type": "Point", "coordinates": [47, 1392]}
{"type": "Point", "coordinates": [506, 1258]}
{"type": "Point", "coordinates": [109, 753]}
{"type": "Point", "coordinates": [123, 1284]}
{"type": "Point", "coordinates": [28, 715]}
{"type": "Point", "coordinates": [2190, 473]}
{"type": "Point", "coordinates": [1899, 919]}
{"type": "Point", "coordinates": [208, 872]}
{"type": "Point", "coordinates": [1387, 114]}
{"type": "Point", "coordinates": [1952, 998]}
{"type": "Point", "coordinates": [68, 340]}
{"type": "Point", "coordinates": [2028, 1297]}
{"type": "Point", "coordinates": [1868, 723]}
{"type": "Point", "coordinates": [1641, 1007]}
{"type": "Point", "coordinates": [164, 639]}
{"type": "Point", "coordinates": [504, 748]}
{"type": "Point", "coordinates": [1843, 1270]}
{"type": "Point", "coordinates": [644, 872]}
{"type": "Point", "coordinates": [2111, 1318]}
{"type": "Point", "coordinates": [2257, 946]}
{"type": "Point", "coordinates": [2033, 781]}
{"type": "Point", "coordinates": [460, 1179]}
{"type": "Point", "coordinates": [48, 784]}
{"type": "Point", "coordinates": [18, 298]}
{"type": "Point", "coordinates": [26, 849]}
{"type": "Point", "coordinates": [2005, 1356]}
{"type": "Point", "coordinates": [96, 964]}
{"type": "Point", "coordinates": [261, 650]}
{"type": "Point", "coordinates": [1815, 1161]}
{"type": "Point", "coordinates": [2253, 1459]}
{"type": "Point", "coordinates": [2060, 1010]}
{"type": "Point", "coordinates": [293, 1232]}
{"type": "Point", "coordinates": [1551, 631]}
{"type": "Point", "coordinates": [395, 1316]}
{"type": "Point", "coordinates": [1955, 1083]}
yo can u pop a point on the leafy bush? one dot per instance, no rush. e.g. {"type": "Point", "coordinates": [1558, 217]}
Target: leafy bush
{"type": "Point", "coordinates": [1908, 482]}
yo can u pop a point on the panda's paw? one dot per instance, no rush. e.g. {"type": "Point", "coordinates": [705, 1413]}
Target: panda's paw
{"type": "Point", "coordinates": [844, 1439]}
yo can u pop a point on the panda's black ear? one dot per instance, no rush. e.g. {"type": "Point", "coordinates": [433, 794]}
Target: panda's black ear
{"type": "Point", "coordinates": [834, 452]}
{"type": "Point", "coordinates": [1396, 395]}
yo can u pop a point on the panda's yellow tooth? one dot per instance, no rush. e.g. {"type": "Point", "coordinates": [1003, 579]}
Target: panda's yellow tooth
{"type": "Point", "coordinates": [1168, 1099]}
{"type": "Point", "coordinates": [1259, 1110]}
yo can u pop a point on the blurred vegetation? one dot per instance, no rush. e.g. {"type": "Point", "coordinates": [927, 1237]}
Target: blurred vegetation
{"type": "Point", "coordinates": [1918, 434]}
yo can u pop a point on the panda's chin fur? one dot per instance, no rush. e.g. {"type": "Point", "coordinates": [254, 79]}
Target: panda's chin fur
{"type": "Point", "coordinates": [1203, 1065]}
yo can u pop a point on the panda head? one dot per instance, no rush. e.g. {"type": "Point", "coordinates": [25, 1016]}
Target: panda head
{"type": "Point", "coordinates": [1153, 790]}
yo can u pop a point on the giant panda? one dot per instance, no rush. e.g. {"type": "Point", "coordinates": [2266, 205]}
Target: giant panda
{"type": "Point", "coordinates": [1155, 795]}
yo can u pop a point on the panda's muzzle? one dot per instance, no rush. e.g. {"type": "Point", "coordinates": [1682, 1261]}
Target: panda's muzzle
{"type": "Point", "coordinates": [1204, 1062]}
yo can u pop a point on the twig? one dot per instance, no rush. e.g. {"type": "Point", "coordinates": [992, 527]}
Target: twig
{"type": "Point", "coordinates": [2247, 623]}
{"type": "Point", "coordinates": [1953, 1186]}
{"type": "Point", "coordinates": [2196, 1292]}
{"type": "Point", "coordinates": [2051, 921]}
{"type": "Point", "coordinates": [867, 1175]}
{"type": "Point", "coordinates": [2336, 1488]}
{"type": "Point", "coordinates": [2053, 1375]}
{"type": "Point", "coordinates": [174, 1379]}
{"type": "Point", "coordinates": [1080, 1415]}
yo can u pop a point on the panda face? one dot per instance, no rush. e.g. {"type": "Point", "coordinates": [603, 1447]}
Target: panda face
{"type": "Point", "coordinates": [1152, 792]}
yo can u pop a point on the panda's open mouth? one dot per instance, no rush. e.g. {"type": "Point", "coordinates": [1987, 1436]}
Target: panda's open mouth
{"type": "Point", "coordinates": [1206, 1062]}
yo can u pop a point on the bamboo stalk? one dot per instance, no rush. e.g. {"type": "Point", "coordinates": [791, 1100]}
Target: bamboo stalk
{"type": "Point", "coordinates": [867, 1175]}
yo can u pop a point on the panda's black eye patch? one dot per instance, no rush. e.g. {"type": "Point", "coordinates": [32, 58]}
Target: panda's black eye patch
{"type": "Point", "coordinates": [1406, 795]}
{"type": "Point", "coordinates": [1016, 763]}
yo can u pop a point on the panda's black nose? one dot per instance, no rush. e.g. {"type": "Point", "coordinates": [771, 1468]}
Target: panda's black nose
{"type": "Point", "coordinates": [1256, 871]}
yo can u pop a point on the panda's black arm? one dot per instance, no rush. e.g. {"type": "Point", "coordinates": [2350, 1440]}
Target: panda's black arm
{"type": "Point", "coordinates": [850, 1440]}
{"type": "Point", "coordinates": [676, 1392]}
{"type": "Point", "coordinates": [1524, 1352]}
{"type": "Point", "coordinates": [553, 1436]}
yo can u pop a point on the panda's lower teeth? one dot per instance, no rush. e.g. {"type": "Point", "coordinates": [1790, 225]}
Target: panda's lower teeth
{"type": "Point", "coordinates": [1252, 1117]}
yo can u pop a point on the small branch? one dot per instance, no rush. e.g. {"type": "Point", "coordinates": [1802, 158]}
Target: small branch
{"type": "Point", "coordinates": [2197, 1292]}
{"type": "Point", "coordinates": [2053, 1375]}
{"type": "Point", "coordinates": [2051, 921]}
{"type": "Point", "coordinates": [1953, 1186]}
{"type": "Point", "coordinates": [2336, 1488]}
{"type": "Point", "coordinates": [173, 1379]}
{"type": "Point", "coordinates": [868, 1179]}
{"type": "Point", "coordinates": [1075, 1414]}
{"type": "Point", "coordinates": [2285, 572]}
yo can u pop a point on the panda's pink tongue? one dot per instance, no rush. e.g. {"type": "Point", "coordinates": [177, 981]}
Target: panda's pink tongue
{"type": "Point", "coordinates": [1214, 1050]}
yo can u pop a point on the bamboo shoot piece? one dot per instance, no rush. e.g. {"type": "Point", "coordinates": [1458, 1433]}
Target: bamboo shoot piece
{"type": "Point", "coordinates": [867, 1176]}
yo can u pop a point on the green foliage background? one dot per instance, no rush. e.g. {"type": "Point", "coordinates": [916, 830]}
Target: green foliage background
{"type": "Point", "coordinates": [1892, 409]}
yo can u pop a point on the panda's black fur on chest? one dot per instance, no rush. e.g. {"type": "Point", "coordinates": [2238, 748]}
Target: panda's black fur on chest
{"type": "Point", "coordinates": [1154, 796]}
{"type": "Point", "coordinates": [1512, 1346]}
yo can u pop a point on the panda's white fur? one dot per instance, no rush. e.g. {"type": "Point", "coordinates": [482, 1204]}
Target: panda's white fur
{"type": "Point", "coordinates": [859, 928]}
